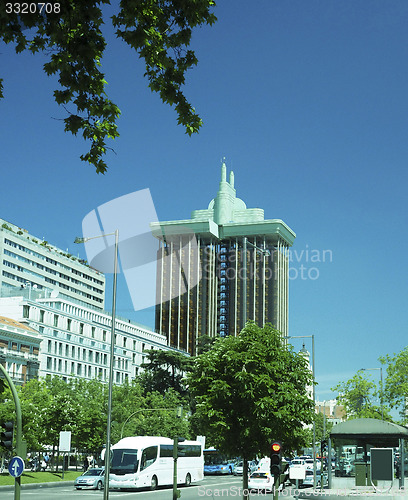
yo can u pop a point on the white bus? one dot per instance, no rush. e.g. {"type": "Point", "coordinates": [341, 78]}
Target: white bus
{"type": "Point", "coordinates": [147, 461]}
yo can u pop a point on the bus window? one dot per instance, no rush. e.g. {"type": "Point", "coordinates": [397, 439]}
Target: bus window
{"type": "Point", "coordinates": [124, 461]}
{"type": "Point", "coordinates": [149, 456]}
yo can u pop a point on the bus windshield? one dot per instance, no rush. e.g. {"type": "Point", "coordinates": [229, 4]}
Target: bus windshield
{"type": "Point", "coordinates": [124, 461]}
{"type": "Point", "coordinates": [215, 459]}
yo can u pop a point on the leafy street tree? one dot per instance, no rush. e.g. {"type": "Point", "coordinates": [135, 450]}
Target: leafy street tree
{"type": "Point", "coordinates": [156, 417]}
{"type": "Point", "coordinates": [165, 370]}
{"type": "Point", "coordinates": [204, 343]}
{"type": "Point", "coordinates": [52, 405]}
{"type": "Point", "coordinates": [35, 400]}
{"type": "Point", "coordinates": [89, 431]}
{"type": "Point", "coordinates": [357, 395]}
{"type": "Point", "coordinates": [159, 31]}
{"type": "Point", "coordinates": [251, 390]}
{"type": "Point", "coordinates": [396, 382]}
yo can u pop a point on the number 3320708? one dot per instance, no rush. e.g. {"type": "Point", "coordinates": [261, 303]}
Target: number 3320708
{"type": "Point", "coordinates": [32, 8]}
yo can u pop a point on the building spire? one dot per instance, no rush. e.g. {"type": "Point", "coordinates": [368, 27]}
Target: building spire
{"type": "Point", "coordinates": [225, 199]}
{"type": "Point", "coordinates": [231, 181]}
{"type": "Point", "coordinates": [223, 171]}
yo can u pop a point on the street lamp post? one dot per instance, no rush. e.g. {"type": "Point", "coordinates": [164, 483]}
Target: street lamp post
{"type": "Point", "coordinates": [381, 392]}
{"type": "Point", "coordinates": [314, 398]}
{"type": "Point", "coordinates": [265, 252]}
{"type": "Point", "coordinates": [111, 359]}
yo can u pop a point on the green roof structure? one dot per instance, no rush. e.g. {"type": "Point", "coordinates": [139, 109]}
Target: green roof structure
{"type": "Point", "coordinates": [368, 428]}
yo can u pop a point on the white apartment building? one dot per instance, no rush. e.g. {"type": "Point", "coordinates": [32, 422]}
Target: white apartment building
{"type": "Point", "coordinates": [62, 299]}
{"type": "Point", "coordinates": [76, 339]}
{"type": "Point", "coordinates": [27, 261]}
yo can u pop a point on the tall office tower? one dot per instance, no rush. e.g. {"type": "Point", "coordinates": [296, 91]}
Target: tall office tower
{"type": "Point", "coordinates": [29, 262]}
{"type": "Point", "coordinates": [201, 269]}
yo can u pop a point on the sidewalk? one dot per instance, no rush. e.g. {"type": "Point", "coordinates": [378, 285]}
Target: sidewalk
{"type": "Point", "coordinates": [32, 486]}
{"type": "Point", "coordinates": [345, 488]}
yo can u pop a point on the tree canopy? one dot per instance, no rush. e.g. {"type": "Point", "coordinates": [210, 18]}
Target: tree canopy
{"type": "Point", "coordinates": [71, 34]}
{"type": "Point", "coordinates": [251, 390]}
{"type": "Point", "coordinates": [165, 370]}
{"type": "Point", "coordinates": [396, 382]}
{"type": "Point", "coordinates": [52, 405]}
{"type": "Point", "coordinates": [358, 395]}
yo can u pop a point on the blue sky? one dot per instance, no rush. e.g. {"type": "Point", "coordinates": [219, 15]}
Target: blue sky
{"type": "Point", "coordinates": [308, 103]}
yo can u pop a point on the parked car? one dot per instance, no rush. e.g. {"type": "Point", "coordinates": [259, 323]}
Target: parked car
{"type": "Point", "coordinates": [93, 479]}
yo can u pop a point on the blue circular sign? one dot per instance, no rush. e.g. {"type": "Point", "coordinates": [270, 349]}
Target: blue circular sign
{"type": "Point", "coordinates": [16, 466]}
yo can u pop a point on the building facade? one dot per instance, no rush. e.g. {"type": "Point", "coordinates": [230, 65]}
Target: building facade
{"type": "Point", "coordinates": [27, 261]}
{"type": "Point", "coordinates": [19, 350]}
{"type": "Point", "coordinates": [332, 411]}
{"type": "Point", "coordinates": [76, 339]}
{"type": "Point", "coordinates": [206, 286]}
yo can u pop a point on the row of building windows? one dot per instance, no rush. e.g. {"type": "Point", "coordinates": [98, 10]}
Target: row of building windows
{"type": "Point", "coordinates": [18, 347]}
{"type": "Point", "coordinates": [81, 328]}
{"type": "Point", "coordinates": [73, 368]}
{"type": "Point", "coordinates": [52, 261]}
{"type": "Point", "coordinates": [45, 278]}
{"type": "Point", "coordinates": [49, 270]}
{"type": "Point", "coordinates": [77, 326]}
{"type": "Point", "coordinates": [76, 352]}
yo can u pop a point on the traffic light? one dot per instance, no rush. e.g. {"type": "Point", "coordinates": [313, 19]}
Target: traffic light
{"type": "Point", "coordinates": [7, 435]}
{"type": "Point", "coordinates": [276, 458]}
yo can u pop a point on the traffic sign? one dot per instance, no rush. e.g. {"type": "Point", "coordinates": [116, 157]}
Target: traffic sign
{"type": "Point", "coordinates": [16, 466]}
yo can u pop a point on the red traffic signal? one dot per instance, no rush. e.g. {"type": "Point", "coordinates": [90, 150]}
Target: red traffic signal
{"type": "Point", "coordinates": [276, 447]}
{"type": "Point", "coordinates": [276, 458]}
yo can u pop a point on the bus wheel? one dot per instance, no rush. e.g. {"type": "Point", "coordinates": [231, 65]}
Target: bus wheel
{"type": "Point", "coordinates": [153, 483]}
{"type": "Point", "coordinates": [187, 482]}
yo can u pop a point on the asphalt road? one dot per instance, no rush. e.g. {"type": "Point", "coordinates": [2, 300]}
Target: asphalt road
{"type": "Point", "coordinates": [212, 487]}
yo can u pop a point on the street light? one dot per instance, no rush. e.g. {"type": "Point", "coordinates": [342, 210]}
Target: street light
{"type": "Point", "coordinates": [314, 398]}
{"type": "Point", "coordinates": [111, 359]}
{"type": "Point", "coordinates": [265, 252]}
{"type": "Point", "coordinates": [381, 392]}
